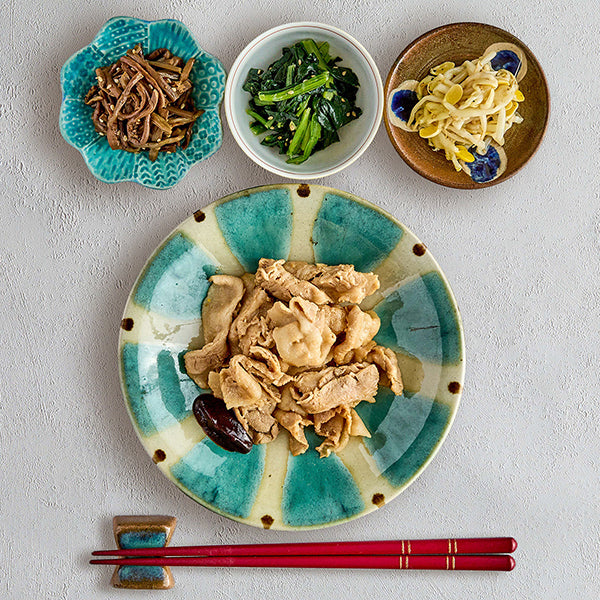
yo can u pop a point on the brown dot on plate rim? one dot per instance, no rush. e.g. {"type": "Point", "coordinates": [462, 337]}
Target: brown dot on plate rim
{"type": "Point", "coordinates": [378, 499]}
{"type": "Point", "coordinates": [303, 190]}
{"type": "Point", "coordinates": [127, 324]}
{"type": "Point", "coordinates": [199, 216]}
{"type": "Point", "coordinates": [454, 387]}
{"type": "Point", "coordinates": [159, 456]}
{"type": "Point", "coordinates": [419, 249]}
{"type": "Point", "coordinates": [267, 521]}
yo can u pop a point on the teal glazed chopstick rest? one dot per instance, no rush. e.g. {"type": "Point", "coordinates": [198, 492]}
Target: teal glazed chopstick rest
{"type": "Point", "coordinates": [143, 532]}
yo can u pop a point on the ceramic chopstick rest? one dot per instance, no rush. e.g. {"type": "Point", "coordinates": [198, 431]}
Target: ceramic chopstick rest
{"type": "Point", "coordinates": [143, 532]}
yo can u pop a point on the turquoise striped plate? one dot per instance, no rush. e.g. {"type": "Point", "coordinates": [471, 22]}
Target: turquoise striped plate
{"type": "Point", "coordinates": [419, 320]}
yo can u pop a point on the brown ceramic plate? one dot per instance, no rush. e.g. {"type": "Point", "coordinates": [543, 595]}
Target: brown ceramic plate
{"type": "Point", "coordinates": [458, 42]}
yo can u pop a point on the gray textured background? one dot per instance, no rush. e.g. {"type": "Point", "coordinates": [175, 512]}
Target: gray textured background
{"type": "Point", "coordinates": [523, 259]}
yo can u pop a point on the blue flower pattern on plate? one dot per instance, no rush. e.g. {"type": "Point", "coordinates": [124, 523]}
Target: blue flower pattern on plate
{"type": "Point", "coordinates": [403, 101]}
{"type": "Point", "coordinates": [485, 166]}
{"type": "Point", "coordinates": [78, 74]}
{"type": "Point", "coordinates": [506, 59]}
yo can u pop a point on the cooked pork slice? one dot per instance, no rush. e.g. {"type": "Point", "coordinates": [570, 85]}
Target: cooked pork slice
{"type": "Point", "coordinates": [259, 423]}
{"type": "Point", "coordinates": [242, 389]}
{"type": "Point", "coordinates": [335, 317]}
{"type": "Point", "coordinates": [334, 425]}
{"type": "Point", "coordinates": [296, 447]}
{"type": "Point", "coordinates": [305, 341]}
{"type": "Point", "coordinates": [337, 426]}
{"type": "Point", "coordinates": [265, 438]}
{"type": "Point", "coordinates": [258, 332]}
{"type": "Point", "coordinates": [218, 308]}
{"type": "Point", "coordinates": [214, 383]}
{"type": "Point", "coordinates": [263, 363]}
{"type": "Point", "coordinates": [273, 277]}
{"type": "Point", "coordinates": [307, 381]}
{"type": "Point", "coordinates": [281, 315]}
{"type": "Point", "coordinates": [348, 385]}
{"type": "Point", "coordinates": [360, 354]}
{"type": "Point", "coordinates": [289, 400]}
{"type": "Point", "coordinates": [341, 283]}
{"type": "Point", "coordinates": [361, 328]}
{"type": "Point", "coordinates": [255, 304]}
{"type": "Point", "coordinates": [295, 424]}
{"type": "Point", "coordinates": [387, 362]}
{"type": "Point", "coordinates": [260, 372]}
{"type": "Point", "coordinates": [210, 357]}
{"type": "Point", "coordinates": [357, 427]}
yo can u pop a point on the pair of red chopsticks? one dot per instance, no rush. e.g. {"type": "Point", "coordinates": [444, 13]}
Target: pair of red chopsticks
{"type": "Point", "coordinates": [475, 554]}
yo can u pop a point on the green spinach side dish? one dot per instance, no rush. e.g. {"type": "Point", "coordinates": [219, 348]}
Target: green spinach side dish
{"type": "Point", "coordinates": [302, 100]}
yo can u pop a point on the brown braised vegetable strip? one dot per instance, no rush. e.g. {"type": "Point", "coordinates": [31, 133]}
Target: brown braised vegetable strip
{"type": "Point", "coordinates": [187, 69]}
{"type": "Point", "coordinates": [144, 103]}
{"type": "Point", "coordinates": [161, 64]}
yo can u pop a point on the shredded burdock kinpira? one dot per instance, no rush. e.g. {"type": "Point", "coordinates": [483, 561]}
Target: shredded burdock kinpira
{"type": "Point", "coordinates": [145, 103]}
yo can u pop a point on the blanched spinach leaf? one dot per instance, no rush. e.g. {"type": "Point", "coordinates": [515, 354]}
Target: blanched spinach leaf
{"type": "Point", "coordinates": [302, 100]}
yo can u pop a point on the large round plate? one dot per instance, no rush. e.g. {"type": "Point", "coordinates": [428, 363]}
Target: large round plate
{"type": "Point", "coordinates": [419, 320]}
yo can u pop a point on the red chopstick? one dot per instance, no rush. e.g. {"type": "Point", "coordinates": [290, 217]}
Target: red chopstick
{"type": "Point", "coordinates": [376, 548]}
{"type": "Point", "coordinates": [493, 562]}
{"type": "Point", "coordinates": [501, 545]}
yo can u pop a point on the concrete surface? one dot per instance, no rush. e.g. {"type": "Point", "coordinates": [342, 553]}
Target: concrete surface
{"type": "Point", "coordinates": [523, 259]}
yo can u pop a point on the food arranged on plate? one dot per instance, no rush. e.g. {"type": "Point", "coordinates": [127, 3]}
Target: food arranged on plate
{"type": "Point", "coordinates": [318, 81]}
{"type": "Point", "coordinates": [461, 110]}
{"type": "Point", "coordinates": [289, 347]}
{"type": "Point", "coordinates": [467, 105]}
{"type": "Point", "coordinates": [141, 102]}
{"type": "Point", "coordinates": [465, 110]}
{"type": "Point", "coordinates": [302, 100]}
{"type": "Point", "coordinates": [313, 132]}
{"type": "Point", "coordinates": [364, 383]}
{"type": "Point", "coordinates": [145, 102]}
{"type": "Point", "coordinates": [291, 356]}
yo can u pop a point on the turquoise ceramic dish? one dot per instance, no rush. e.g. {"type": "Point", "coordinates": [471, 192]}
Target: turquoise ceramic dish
{"type": "Point", "coordinates": [419, 320]}
{"type": "Point", "coordinates": [78, 74]}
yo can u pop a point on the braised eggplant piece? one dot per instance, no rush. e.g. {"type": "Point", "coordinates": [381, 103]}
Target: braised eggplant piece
{"type": "Point", "coordinates": [221, 424]}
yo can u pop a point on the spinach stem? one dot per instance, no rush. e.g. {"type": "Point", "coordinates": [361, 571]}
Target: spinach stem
{"type": "Point", "coordinates": [299, 134]}
{"type": "Point", "coordinates": [291, 92]}
{"type": "Point", "coordinates": [289, 76]}
{"type": "Point", "coordinates": [302, 106]}
{"type": "Point", "coordinates": [312, 48]}
{"type": "Point", "coordinates": [257, 128]}
{"type": "Point", "coordinates": [258, 117]}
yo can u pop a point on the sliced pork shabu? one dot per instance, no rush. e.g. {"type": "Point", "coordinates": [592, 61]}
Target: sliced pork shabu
{"type": "Point", "coordinates": [290, 348]}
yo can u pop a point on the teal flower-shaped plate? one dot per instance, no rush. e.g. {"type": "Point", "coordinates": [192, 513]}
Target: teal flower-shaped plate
{"type": "Point", "coordinates": [419, 320]}
{"type": "Point", "coordinates": [114, 39]}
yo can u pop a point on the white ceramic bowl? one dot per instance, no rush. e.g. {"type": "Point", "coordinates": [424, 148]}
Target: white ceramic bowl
{"type": "Point", "coordinates": [355, 137]}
